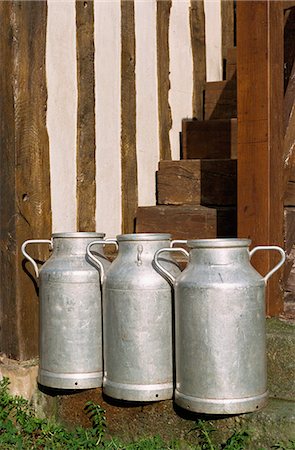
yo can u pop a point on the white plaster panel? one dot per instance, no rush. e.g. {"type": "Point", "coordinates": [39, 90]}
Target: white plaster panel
{"type": "Point", "coordinates": [181, 70]}
{"type": "Point", "coordinates": [147, 133]}
{"type": "Point", "coordinates": [213, 40]}
{"type": "Point", "coordinates": [61, 72]}
{"type": "Point", "coordinates": [107, 23]}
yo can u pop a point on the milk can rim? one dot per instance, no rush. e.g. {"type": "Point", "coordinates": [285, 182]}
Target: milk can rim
{"type": "Point", "coordinates": [79, 234]}
{"type": "Point", "coordinates": [144, 237]}
{"type": "Point", "coordinates": [219, 243]}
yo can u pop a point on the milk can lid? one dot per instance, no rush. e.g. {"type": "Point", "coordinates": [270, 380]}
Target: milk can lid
{"type": "Point", "coordinates": [219, 243]}
{"type": "Point", "coordinates": [144, 237]}
{"type": "Point", "coordinates": [79, 234]}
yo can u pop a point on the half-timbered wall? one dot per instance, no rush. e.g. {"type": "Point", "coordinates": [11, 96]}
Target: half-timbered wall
{"type": "Point", "coordinates": [92, 95]}
{"type": "Point", "coordinates": [146, 60]}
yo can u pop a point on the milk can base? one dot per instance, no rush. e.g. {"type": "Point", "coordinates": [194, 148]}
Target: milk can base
{"type": "Point", "coordinates": [221, 406]}
{"type": "Point", "coordinates": [138, 392]}
{"type": "Point", "coordinates": [70, 380]}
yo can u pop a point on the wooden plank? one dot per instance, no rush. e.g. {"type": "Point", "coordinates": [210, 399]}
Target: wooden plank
{"type": "Point", "coordinates": [207, 182]}
{"type": "Point", "coordinates": [179, 182]}
{"type": "Point", "coordinates": [128, 118]}
{"type": "Point", "coordinates": [227, 26]}
{"type": "Point", "coordinates": [209, 139]}
{"type": "Point", "coordinates": [164, 111]}
{"type": "Point", "coordinates": [24, 166]}
{"type": "Point", "coordinates": [231, 63]}
{"type": "Point", "coordinates": [220, 100]}
{"type": "Point", "coordinates": [197, 29]}
{"type": "Point", "coordinates": [183, 222]}
{"type": "Point", "coordinates": [218, 182]}
{"type": "Point", "coordinates": [86, 190]}
{"type": "Point", "coordinates": [260, 134]}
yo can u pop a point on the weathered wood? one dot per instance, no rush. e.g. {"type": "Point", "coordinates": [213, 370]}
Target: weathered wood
{"type": "Point", "coordinates": [179, 182]}
{"type": "Point", "coordinates": [260, 134]}
{"type": "Point", "coordinates": [86, 191]}
{"type": "Point", "coordinates": [183, 222]}
{"type": "Point", "coordinates": [128, 118]}
{"type": "Point", "coordinates": [231, 63]}
{"type": "Point", "coordinates": [209, 139]}
{"type": "Point", "coordinates": [24, 165]}
{"type": "Point", "coordinates": [187, 221]}
{"type": "Point", "coordinates": [227, 26]}
{"type": "Point", "coordinates": [220, 100]}
{"type": "Point", "coordinates": [219, 182]}
{"type": "Point", "coordinates": [206, 182]}
{"type": "Point", "coordinates": [163, 62]}
{"type": "Point", "coordinates": [287, 4]}
{"type": "Point", "coordinates": [197, 28]}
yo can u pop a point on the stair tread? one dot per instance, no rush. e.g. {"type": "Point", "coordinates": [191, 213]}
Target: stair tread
{"type": "Point", "coordinates": [207, 182]}
{"type": "Point", "coordinates": [214, 139]}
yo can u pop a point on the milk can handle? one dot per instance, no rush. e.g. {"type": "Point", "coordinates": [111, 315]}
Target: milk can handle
{"type": "Point", "coordinates": [94, 259]}
{"type": "Point", "coordinates": [270, 247]}
{"type": "Point", "coordinates": [161, 269]}
{"type": "Point", "coordinates": [178, 241]}
{"type": "Point", "coordinates": [34, 241]}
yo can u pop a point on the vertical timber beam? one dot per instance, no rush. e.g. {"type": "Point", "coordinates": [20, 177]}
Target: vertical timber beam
{"type": "Point", "coordinates": [163, 64]}
{"type": "Point", "coordinates": [86, 192]}
{"type": "Point", "coordinates": [25, 211]}
{"type": "Point", "coordinates": [128, 118]}
{"type": "Point", "coordinates": [197, 29]}
{"type": "Point", "coordinates": [260, 134]}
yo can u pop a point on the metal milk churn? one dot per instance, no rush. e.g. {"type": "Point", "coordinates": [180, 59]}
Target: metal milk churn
{"type": "Point", "coordinates": [70, 336]}
{"type": "Point", "coordinates": [220, 328]}
{"type": "Point", "coordinates": [137, 321]}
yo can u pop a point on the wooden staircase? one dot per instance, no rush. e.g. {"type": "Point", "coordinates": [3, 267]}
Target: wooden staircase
{"type": "Point", "coordinates": [197, 196]}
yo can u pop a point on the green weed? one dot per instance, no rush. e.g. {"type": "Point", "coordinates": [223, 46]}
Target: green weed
{"type": "Point", "coordinates": [21, 429]}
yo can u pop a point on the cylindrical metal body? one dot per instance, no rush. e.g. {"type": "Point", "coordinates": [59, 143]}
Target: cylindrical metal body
{"type": "Point", "coordinates": [137, 321]}
{"type": "Point", "coordinates": [220, 329]}
{"type": "Point", "coordinates": [70, 314]}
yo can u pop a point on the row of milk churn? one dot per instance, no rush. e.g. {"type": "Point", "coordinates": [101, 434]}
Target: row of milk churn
{"type": "Point", "coordinates": [155, 332]}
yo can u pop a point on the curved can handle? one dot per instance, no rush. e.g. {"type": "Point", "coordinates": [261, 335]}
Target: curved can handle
{"type": "Point", "coordinates": [277, 266]}
{"type": "Point", "coordinates": [178, 241]}
{"type": "Point", "coordinates": [28, 257]}
{"type": "Point", "coordinates": [161, 269]}
{"type": "Point", "coordinates": [94, 259]}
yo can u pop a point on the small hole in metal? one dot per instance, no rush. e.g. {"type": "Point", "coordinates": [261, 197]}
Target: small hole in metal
{"type": "Point", "coordinates": [157, 395]}
{"type": "Point", "coordinates": [76, 384]}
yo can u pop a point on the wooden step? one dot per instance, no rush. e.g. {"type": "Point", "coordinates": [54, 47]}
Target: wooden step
{"type": "Point", "coordinates": [220, 100]}
{"type": "Point", "coordinates": [208, 139]}
{"type": "Point", "coordinates": [231, 63]}
{"type": "Point", "coordinates": [187, 221]}
{"type": "Point", "coordinates": [207, 182]}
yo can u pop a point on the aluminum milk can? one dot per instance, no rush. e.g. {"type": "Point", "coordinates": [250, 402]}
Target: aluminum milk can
{"type": "Point", "coordinates": [70, 328]}
{"type": "Point", "coordinates": [137, 321]}
{"type": "Point", "coordinates": [220, 328]}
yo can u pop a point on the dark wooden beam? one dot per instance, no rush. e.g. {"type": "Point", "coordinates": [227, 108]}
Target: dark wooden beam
{"type": "Point", "coordinates": [86, 190]}
{"type": "Point", "coordinates": [260, 133]}
{"type": "Point", "coordinates": [25, 211]}
{"type": "Point", "coordinates": [197, 27]}
{"type": "Point", "coordinates": [164, 111]}
{"type": "Point", "coordinates": [128, 118]}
